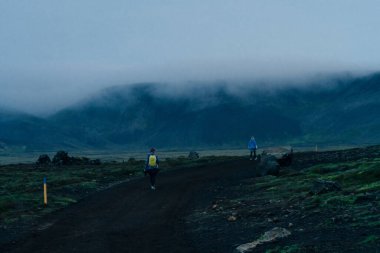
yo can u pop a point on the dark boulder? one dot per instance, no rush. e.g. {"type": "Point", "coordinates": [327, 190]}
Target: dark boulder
{"type": "Point", "coordinates": [98, 162]}
{"type": "Point", "coordinates": [193, 155]}
{"type": "Point", "coordinates": [61, 158]}
{"type": "Point", "coordinates": [268, 166]}
{"type": "Point", "coordinates": [321, 186]}
{"type": "Point", "coordinates": [286, 159]}
{"type": "Point", "coordinates": [43, 160]}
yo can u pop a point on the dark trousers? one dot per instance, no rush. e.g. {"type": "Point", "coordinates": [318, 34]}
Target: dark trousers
{"type": "Point", "coordinates": [152, 174]}
{"type": "Point", "coordinates": [253, 151]}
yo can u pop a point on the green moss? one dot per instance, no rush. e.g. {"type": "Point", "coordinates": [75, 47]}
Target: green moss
{"type": "Point", "coordinates": [61, 201]}
{"type": "Point", "coordinates": [370, 239]}
{"type": "Point", "coordinates": [287, 249]}
{"type": "Point", "coordinates": [367, 219]}
{"type": "Point", "coordinates": [328, 168]}
{"type": "Point", "coordinates": [316, 200]}
{"type": "Point", "coordinates": [370, 187]}
{"type": "Point", "coordinates": [373, 223]}
{"type": "Point", "coordinates": [340, 200]}
{"type": "Point", "coordinates": [273, 188]}
{"type": "Point", "coordinates": [88, 185]}
{"type": "Point", "coordinates": [360, 175]}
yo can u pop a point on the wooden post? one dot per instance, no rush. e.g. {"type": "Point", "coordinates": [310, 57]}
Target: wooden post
{"type": "Point", "coordinates": [45, 192]}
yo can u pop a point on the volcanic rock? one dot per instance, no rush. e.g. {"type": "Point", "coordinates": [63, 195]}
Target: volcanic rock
{"type": "Point", "coordinates": [270, 236]}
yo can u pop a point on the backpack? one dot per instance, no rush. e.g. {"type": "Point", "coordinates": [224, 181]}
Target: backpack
{"type": "Point", "coordinates": [152, 161]}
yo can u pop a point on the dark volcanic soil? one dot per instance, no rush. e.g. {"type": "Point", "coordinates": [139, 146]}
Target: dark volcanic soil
{"type": "Point", "coordinates": [132, 218]}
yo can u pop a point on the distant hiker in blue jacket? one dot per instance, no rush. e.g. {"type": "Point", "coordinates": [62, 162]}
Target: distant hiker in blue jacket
{"type": "Point", "coordinates": [151, 167]}
{"type": "Point", "coordinates": [252, 146]}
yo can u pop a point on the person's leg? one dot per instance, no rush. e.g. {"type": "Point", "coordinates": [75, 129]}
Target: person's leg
{"type": "Point", "coordinates": [250, 156]}
{"type": "Point", "coordinates": [254, 151]}
{"type": "Point", "coordinates": [153, 175]}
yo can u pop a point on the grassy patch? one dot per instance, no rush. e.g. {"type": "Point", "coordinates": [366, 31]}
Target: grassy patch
{"type": "Point", "coordinates": [357, 179]}
{"type": "Point", "coordinates": [295, 248]}
{"type": "Point", "coordinates": [288, 195]}
{"type": "Point", "coordinates": [339, 200]}
{"type": "Point", "coordinates": [362, 173]}
{"type": "Point", "coordinates": [374, 186]}
{"type": "Point", "coordinates": [370, 239]}
{"type": "Point", "coordinates": [330, 167]}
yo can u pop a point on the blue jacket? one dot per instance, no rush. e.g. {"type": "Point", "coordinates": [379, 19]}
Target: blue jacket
{"type": "Point", "coordinates": [252, 145]}
{"type": "Point", "coordinates": [147, 167]}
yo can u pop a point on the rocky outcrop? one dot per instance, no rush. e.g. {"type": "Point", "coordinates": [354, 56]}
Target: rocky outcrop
{"type": "Point", "coordinates": [63, 158]}
{"type": "Point", "coordinates": [193, 155]}
{"type": "Point", "coordinates": [43, 160]}
{"type": "Point", "coordinates": [268, 165]}
{"type": "Point", "coordinates": [286, 159]}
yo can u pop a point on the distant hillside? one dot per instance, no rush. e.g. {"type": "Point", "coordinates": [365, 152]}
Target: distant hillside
{"type": "Point", "coordinates": [349, 113]}
{"type": "Point", "coordinates": [138, 117]}
{"type": "Point", "coordinates": [342, 112]}
{"type": "Point", "coordinates": [345, 111]}
{"type": "Point", "coordinates": [28, 132]}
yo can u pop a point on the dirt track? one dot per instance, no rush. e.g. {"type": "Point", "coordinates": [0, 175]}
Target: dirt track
{"type": "Point", "coordinates": [132, 218]}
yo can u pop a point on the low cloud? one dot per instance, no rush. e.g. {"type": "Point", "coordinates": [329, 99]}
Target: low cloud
{"type": "Point", "coordinates": [42, 91]}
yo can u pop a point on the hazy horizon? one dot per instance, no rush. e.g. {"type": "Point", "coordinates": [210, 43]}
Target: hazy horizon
{"type": "Point", "coordinates": [56, 53]}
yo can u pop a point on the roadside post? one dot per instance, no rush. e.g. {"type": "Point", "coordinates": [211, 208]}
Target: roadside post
{"type": "Point", "coordinates": [45, 192]}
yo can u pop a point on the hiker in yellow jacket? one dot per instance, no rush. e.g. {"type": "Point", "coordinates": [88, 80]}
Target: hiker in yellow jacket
{"type": "Point", "coordinates": [151, 167]}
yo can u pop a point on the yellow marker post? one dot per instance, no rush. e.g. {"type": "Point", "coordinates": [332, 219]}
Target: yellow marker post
{"type": "Point", "coordinates": [45, 192]}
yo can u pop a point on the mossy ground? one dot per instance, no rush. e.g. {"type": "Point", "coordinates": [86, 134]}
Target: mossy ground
{"type": "Point", "coordinates": [22, 187]}
{"type": "Point", "coordinates": [338, 221]}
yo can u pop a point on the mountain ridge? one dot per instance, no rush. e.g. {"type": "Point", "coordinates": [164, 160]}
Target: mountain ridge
{"type": "Point", "coordinates": [152, 114]}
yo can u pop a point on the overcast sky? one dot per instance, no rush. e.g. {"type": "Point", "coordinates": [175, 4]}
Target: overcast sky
{"type": "Point", "coordinates": [54, 52]}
